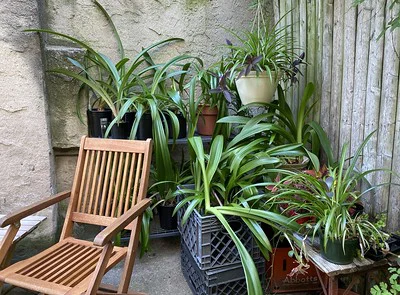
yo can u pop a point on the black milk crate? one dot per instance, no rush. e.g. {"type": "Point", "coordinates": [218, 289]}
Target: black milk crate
{"type": "Point", "coordinates": [217, 281]}
{"type": "Point", "coordinates": [209, 242]}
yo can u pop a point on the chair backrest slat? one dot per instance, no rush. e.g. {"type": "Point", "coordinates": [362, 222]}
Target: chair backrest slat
{"type": "Point", "coordinates": [113, 178]}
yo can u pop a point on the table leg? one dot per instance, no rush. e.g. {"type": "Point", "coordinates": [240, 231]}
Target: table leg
{"type": "Point", "coordinates": [322, 281]}
{"type": "Point", "coordinates": [333, 288]}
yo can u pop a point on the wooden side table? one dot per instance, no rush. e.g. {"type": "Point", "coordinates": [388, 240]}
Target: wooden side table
{"type": "Point", "coordinates": [360, 268]}
{"type": "Point", "coordinates": [28, 224]}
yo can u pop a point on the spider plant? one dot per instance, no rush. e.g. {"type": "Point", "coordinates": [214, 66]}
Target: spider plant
{"type": "Point", "coordinates": [330, 199]}
{"type": "Point", "coordinates": [286, 127]}
{"type": "Point", "coordinates": [225, 182]}
{"type": "Point", "coordinates": [263, 48]}
{"type": "Point", "coordinates": [208, 86]}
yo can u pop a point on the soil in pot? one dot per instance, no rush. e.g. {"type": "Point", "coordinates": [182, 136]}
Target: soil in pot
{"type": "Point", "coordinates": [257, 89]}
{"type": "Point", "coordinates": [95, 119]}
{"type": "Point", "coordinates": [167, 221]}
{"type": "Point", "coordinates": [335, 253]}
{"type": "Point", "coordinates": [207, 120]}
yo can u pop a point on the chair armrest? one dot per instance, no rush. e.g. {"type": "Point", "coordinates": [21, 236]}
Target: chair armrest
{"type": "Point", "coordinates": [120, 223]}
{"type": "Point", "coordinates": [35, 207]}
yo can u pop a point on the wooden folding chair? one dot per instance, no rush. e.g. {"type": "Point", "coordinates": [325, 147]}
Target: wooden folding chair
{"type": "Point", "coordinates": [109, 189]}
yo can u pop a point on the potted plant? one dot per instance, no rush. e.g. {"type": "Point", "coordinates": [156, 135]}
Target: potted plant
{"type": "Point", "coordinates": [262, 57]}
{"type": "Point", "coordinates": [288, 127]}
{"type": "Point", "coordinates": [225, 186]}
{"type": "Point", "coordinates": [211, 103]}
{"type": "Point", "coordinates": [330, 200]}
{"type": "Point", "coordinates": [112, 84]}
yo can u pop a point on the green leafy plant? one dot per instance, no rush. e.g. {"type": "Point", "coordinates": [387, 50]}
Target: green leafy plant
{"type": "Point", "coordinates": [330, 198]}
{"type": "Point", "coordinates": [394, 284]}
{"type": "Point", "coordinates": [287, 127]}
{"type": "Point", "coordinates": [208, 87]}
{"type": "Point", "coordinates": [226, 181]}
{"type": "Point", "coordinates": [263, 48]}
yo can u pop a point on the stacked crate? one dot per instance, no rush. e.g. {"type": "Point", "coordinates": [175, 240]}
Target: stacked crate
{"type": "Point", "coordinates": [210, 260]}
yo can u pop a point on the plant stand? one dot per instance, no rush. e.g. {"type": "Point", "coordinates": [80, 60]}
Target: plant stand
{"type": "Point", "coordinates": [357, 271]}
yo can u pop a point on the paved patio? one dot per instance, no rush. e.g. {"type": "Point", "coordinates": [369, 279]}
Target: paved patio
{"type": "Point", "coordinates": [158, 272]}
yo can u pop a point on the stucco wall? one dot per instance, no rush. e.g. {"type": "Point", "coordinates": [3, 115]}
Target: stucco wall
{"type": "Point", "coordinates": [25, 153]}
{"type": "Point", "coordinates": [140, 23]}
{"type": "Point", "coordinates": [30, 117]}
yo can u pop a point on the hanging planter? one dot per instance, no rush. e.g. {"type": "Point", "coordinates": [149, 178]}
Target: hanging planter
{"type": "Point", "coordinates": [257, 88]}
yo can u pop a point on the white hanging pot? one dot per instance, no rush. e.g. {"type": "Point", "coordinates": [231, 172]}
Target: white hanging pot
{"type": "Point", "coordinates": [253, 88]}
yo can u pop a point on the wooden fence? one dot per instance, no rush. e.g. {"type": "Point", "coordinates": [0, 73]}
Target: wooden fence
{"type": "Point", "coordinates": [357, 81]}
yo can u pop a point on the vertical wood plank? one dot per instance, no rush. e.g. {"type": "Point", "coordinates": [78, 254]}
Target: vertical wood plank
{"type": "Point", "coordinates": [327, 51]}
{"type": "Point", "coordinates": [296, 24]}
{"type": "Point", "coordinates": [124, 185]}
{"type": "Point", "coordinates": [276, 8]}
{"type": "Point", "coordinates": [110, 190]}
{"type": "Point", "coordinates": [129, 193]}
{"type": "Point", "coordinates": [374, 88]}
{"type": "Point", "coordinates": [311, 40]}
{"type": "Point", "coordinates": [93, 197]}
{"type": "Point", "coordinates": [105, 200]}
{"type": "Point", "coordinates": [117, 187]}
{"type": "Point", "coordinates": [303, 45]}
{"type": "Point", "coordinates": [346, 98]}
{"type": "Point", "coordinates": [386, 134]}
{"type": "Point", "coordinates": [89, 180]}
{"type": "Point", "coordinates": [318, 58]}
{"type": "Point", "coordinates": [361, 71]}
{"type": "Point", "coordinates": [337, 70]}
{"type": "Point", "coordinates": [100, 198]}
{"type": "Point", "coordinates": [393, 223]}
{"type": "Point", "coordinates": [360, 74]}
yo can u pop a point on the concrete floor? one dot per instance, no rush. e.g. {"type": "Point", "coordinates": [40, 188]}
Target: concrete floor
{"type": "Point", "coordinates": [157, 273]}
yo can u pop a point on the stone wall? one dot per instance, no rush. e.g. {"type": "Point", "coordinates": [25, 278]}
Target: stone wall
{"type": "Point", "coordinates": [26, 156]}
{"type": "Point", "coordinates": [33, 110]}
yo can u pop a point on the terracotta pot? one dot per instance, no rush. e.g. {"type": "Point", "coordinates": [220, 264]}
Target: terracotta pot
{"type": "Point", "coordinates": [257, 89]}
{"type": "Point", "coordinates": [207, 120]}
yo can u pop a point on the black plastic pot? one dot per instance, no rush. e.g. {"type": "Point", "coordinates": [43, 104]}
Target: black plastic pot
{"type": "Point", "coordinates": [95, 119]}
{"type": "Point", "coordinates": [394, 247]}
{"type": "Point", "coordinates": [120, 131]}
{"type": "Point", "coordinates": [129, 118]}
{"type": "Point", "coordinates": [167, 221]}
{"type": "Point", "coordinates": [336, 253]}
{"type": "Point", "coordinates": [182, 126]}
{"type": "Point", "coordinates": [145, 128]}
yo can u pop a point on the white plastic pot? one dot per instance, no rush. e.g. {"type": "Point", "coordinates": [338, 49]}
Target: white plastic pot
{"type": "Point", "coordinates": [253, 88]}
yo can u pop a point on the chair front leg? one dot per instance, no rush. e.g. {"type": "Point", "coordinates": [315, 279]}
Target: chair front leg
{"type": "Point", "coordinates": [6, 245]}
{"type": "Point", "coordinates": [100, 269]}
